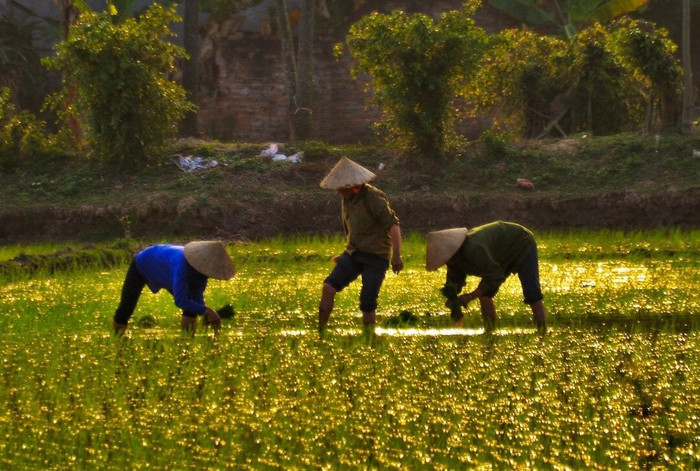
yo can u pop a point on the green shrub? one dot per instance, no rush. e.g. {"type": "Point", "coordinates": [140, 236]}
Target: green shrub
{"type": "Point", "coordinates": [604, 99]}
{"type": "Point", "coordinates": [126, 101]}
{"type": "Point", "coordinates": [520, 77]}
{"type": "Point", "coordinates": [604, 79]}
{"type": "Point", "coordinates": [417, 66]}
{"type": "Point", "coordinates": [22, 135]}
{"type": "Point", "coordinates": [496, 144]}
{"type": "Point", "coordinates": [650, 53]}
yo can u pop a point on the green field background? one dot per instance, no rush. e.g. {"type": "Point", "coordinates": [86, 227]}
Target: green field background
{"type": "Point", "coordinates": [614, 383]}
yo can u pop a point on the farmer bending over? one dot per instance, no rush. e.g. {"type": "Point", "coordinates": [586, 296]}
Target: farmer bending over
{"type": "Point", "coordinates": [492, 252]}
{"type": "Point", "coordinates": [373, 239]}
{"type": "Point", "coordinates": [183, 271]}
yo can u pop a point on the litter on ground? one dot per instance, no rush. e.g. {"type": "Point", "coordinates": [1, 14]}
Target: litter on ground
{"type": "Point", "coordinates": [273, 153]}
{"type": "Point", "coordinates": [192, 164]}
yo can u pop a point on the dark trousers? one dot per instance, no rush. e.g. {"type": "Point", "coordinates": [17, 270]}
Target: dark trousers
{"type": "Point", "coordinates": [349, 267]}
{"type": "Point", "coordinates": [529, 274]}
{"type": "Point", "coordinates": [131, 292]}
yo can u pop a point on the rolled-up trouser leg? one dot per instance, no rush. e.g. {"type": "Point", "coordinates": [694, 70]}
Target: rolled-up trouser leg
{"type": "Point", "coordinates": [529, 275]}
{"type": "Point", "coordinates": [344, 273]}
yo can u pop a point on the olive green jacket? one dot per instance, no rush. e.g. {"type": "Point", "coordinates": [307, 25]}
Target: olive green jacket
{"type": "Point", "coordinates": [367, 218]}
{"type": "Point", "coordinates": [492, 252]}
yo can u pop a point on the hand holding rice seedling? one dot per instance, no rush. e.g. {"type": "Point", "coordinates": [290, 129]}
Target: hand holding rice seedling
{"type": "Point", "coordinates": [451, 292]}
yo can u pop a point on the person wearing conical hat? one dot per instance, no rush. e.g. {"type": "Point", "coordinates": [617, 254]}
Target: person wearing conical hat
{"type": "Point", "coordinates": [491, 252]}
{"type": "Point", "coordinates": [373, 238]}
{"type": "Point", "coordinates": [181, 270]}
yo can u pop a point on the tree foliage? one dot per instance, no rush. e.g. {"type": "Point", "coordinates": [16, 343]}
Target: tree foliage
{"type": "Point", "coordinates": [605, 79]}
{"type": "Point", "coordinates": [650, 54]}
{"type": "Point", "coordinates": [605, 100]}
{"type": "Point", "coordinates": [127, 103]}
{"type": "Point", "coordinates": [417, 66]}
{"type": "Point", "coordinates": [519, 80]}
{"type": "Point", "coordinates": [19, 61]}
{"type": "Point", "coordinates": [569, 16]}
{"type": "Point", "coordinates": [22, 135]}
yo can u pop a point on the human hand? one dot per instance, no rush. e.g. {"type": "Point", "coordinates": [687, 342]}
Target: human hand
{"type": "Point", "coordinates": [453, 300]}
{"type": "Point", "coordinates": [212, 318]}
{"type": "Point", "coordinates": [396, 264]}
{"type": "Point", "coordinates": [118, 328]}
{"type": "Point", "coordinates": [465, 299]}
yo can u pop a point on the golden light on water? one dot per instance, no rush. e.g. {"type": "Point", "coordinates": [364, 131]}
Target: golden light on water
{"type": "Point", "coordinates": [611, 386]}
{"type": "Point", "coordinates": [404, 332]}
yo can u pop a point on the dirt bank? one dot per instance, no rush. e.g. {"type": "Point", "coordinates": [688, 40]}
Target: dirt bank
{"type": "Point", "coordinates": [318, 213]}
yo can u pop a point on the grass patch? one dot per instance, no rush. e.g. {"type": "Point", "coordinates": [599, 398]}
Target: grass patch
{"type": "Point", "coordinates": [578, 165]}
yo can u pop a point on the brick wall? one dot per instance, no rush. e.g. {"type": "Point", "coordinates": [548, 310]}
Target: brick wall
{"type": "Point", "coordinates": [243, 96]}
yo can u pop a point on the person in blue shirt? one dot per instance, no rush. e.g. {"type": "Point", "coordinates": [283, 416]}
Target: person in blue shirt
{"type": "Point", "coordinates": [181, 270]}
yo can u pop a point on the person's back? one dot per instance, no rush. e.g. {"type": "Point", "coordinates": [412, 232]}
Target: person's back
{"type": "Point", "coordinates": [492, 252]}
{"type": "Point", "coordinates": [183, 271]}
{"type": "Point", "coordinates": [506, 243]}
{"type": "Point", "coordinates": [159, 265]}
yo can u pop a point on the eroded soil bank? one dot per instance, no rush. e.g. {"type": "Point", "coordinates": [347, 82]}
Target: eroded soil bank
{"type": "Point", "coordinates": [318, 213]}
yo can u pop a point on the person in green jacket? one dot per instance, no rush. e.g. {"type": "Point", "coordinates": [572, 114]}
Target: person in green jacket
{"type": "Point", "coordinates": [373, 240]}
{"type": "Point", "coordinates": [492, 252]}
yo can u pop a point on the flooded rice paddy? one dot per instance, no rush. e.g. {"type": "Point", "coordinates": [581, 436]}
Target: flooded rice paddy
{"type": "Point", "coordinates": [613, 384]}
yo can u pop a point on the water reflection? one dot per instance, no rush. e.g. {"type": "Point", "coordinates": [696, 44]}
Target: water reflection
{"type": "Point", "coordinates": [415, 332]}
{"type": "Point", "coordinates": [562, 324]}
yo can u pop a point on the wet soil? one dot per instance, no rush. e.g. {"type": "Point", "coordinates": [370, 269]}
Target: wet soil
{"type": "Point", "coordinates": [318, 213]}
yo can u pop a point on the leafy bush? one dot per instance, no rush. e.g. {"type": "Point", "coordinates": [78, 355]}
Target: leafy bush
{"type": "Point", "coordinates": [604, 100]}
{"type": "Point", "coordinates": [521, 76]}
{"type": "Point", "coordinates": [650, 53]}
{"type": "Point", "coordinates": [417, 67]}
{"type": "Point", "coordinates": [21, 134]}
{"type": "Point", "coordinates": [603, 80]}
{"type": "Point", "coordinates": [128, 104]}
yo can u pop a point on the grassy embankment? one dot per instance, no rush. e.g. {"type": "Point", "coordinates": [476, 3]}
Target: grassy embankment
{"type": "Point", "coordinates": [579, 165]}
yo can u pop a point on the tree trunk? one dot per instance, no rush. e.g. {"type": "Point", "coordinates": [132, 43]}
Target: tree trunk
{"type": "Point", "coordinates": [290, 73]}
{"type": "Point", "coordinates": [589, 112]}
{"type": "Point", "coordinates": [69, 15]}
{"type": "Point", "coordinates": [190, 68]}
{"type": "Point", "coordinates": [302, 113]}
{"type": "Point", "coordinates": [687, 112]}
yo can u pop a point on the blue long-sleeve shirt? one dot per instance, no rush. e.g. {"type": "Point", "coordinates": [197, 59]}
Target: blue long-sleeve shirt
{"type": "Point", "coordinates": [164, 267]}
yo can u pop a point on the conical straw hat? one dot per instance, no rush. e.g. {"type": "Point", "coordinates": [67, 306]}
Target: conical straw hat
{"type": "Point", "coordinates": [442, 245]}
{"type": "Point", "coordinates": [210, 258]}
{"type": "Point", "coordinates": [346, 174]}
